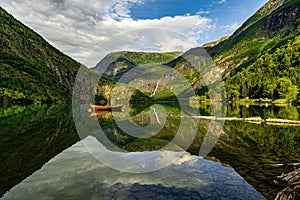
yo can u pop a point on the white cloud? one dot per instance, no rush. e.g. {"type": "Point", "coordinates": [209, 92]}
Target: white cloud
{"type": "Point", "coordinates": [121, 9]}
{"type": "Point", "coordinates": [203, 12]}
{"type": "Point", "coordinates": [178, 33]}
{"type": "Point", "coordinates": [231, 27]}
{"type": "Point", "coordinates": [222, 1]}
{"type": "Point", "coordinates": [77, 27]}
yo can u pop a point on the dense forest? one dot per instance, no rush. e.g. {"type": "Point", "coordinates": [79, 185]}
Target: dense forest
{"type": "Point", "coordinates": [274, 75]}
{"type": "Point", "coordinates": [31, 70]}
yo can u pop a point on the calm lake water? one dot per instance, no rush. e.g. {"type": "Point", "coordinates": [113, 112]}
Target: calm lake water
{"type": "Point", "coordinates": [247, 153]}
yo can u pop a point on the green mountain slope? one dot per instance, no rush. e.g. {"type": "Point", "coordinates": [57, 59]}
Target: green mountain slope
{"type": "Point", "coordinates": [269, 28]}
{"type": "Point", "coordinates": [274, 76]}
{"type": "Point", "coordinates": [214, 43]}
{"type": "Point", "coordinates": [30, 68]}
{"type": "Point", "coordinates": [273, 28]}
{"type": "Point", "coordinates": [262, 57]}
{"type": "Point", "coordinates": [116, 64]}
{"type": "Point", "coordinates": [265, 47]}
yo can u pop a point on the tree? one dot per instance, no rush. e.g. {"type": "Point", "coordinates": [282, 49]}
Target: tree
{"type": "Point", "coordinates": [273, 75]}
{"type": "Point", "coordinates": [283, 85]}
{"type": "Point", "coordinates": [292, 93]}
{"type": "Point", "coordinates": [271, 89]}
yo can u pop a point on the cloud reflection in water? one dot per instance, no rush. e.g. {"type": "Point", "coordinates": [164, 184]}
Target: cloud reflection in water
{"type": "Point", "coordinates": [75, 174]}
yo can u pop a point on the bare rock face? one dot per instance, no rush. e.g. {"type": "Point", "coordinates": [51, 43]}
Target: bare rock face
{"type": "Point", "coordinates": [274, 24]}
{"type": "Point", "coordinates": [267, 9]}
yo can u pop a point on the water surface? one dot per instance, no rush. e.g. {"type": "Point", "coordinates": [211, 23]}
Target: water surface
{"type": "Point", "coordinates": [256, 153]}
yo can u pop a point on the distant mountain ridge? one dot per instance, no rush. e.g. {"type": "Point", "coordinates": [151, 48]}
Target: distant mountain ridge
{"type": "Point", "coordinates": [31, 69]}
{"type": "Point", "coordinates": [116, 64]}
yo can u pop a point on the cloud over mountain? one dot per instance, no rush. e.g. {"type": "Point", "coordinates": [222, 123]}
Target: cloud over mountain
{"type": "Point", "coordinates": [77, 27]}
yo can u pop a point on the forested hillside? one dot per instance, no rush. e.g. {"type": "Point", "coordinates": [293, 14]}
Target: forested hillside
{"type": "Point", "coordinates": [269, 28]}
{"type": "Point", "coordinates": [274, 75]}
{"type": "Point", "coordinates": [116, 64]}
{"type": "Point", "coordinates": [261, 59]}
{"type": "Point", "coordinates": [31, 70]}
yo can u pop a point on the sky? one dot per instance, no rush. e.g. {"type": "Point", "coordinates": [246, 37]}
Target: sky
{"type": "Point", "coordinates": [88, 30]}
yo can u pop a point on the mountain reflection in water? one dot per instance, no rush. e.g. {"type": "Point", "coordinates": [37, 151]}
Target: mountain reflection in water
{"type": "Point", "coordinates": [75, 174]}
{"type": "Point", "coordinates": [32, 135]}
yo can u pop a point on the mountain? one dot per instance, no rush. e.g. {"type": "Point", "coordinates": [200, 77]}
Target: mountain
{"type": "Point", "coordinates": [274, 76]}
{"type": "Point", "coordinates": [270, 27]}
{"type": "Point", "coordinates": [116, 64]}
{"type": "Point", "coordinates": [260, 59]}
{"type": "Point", "coordinates": [31, 69]}
{"type": "Point", "coordinates": [270, 33]}
{"type": "Point", "coordinates": [214, 43]}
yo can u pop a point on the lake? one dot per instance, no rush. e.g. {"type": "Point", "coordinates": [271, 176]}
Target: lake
{"type": "Point", "coordinates": [43, 157]}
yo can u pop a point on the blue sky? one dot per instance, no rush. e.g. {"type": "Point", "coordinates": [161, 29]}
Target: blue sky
{"type": "Point", "coordinates": [88, 30]}
{"type": "Point", "coordinates": [226, 15]}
